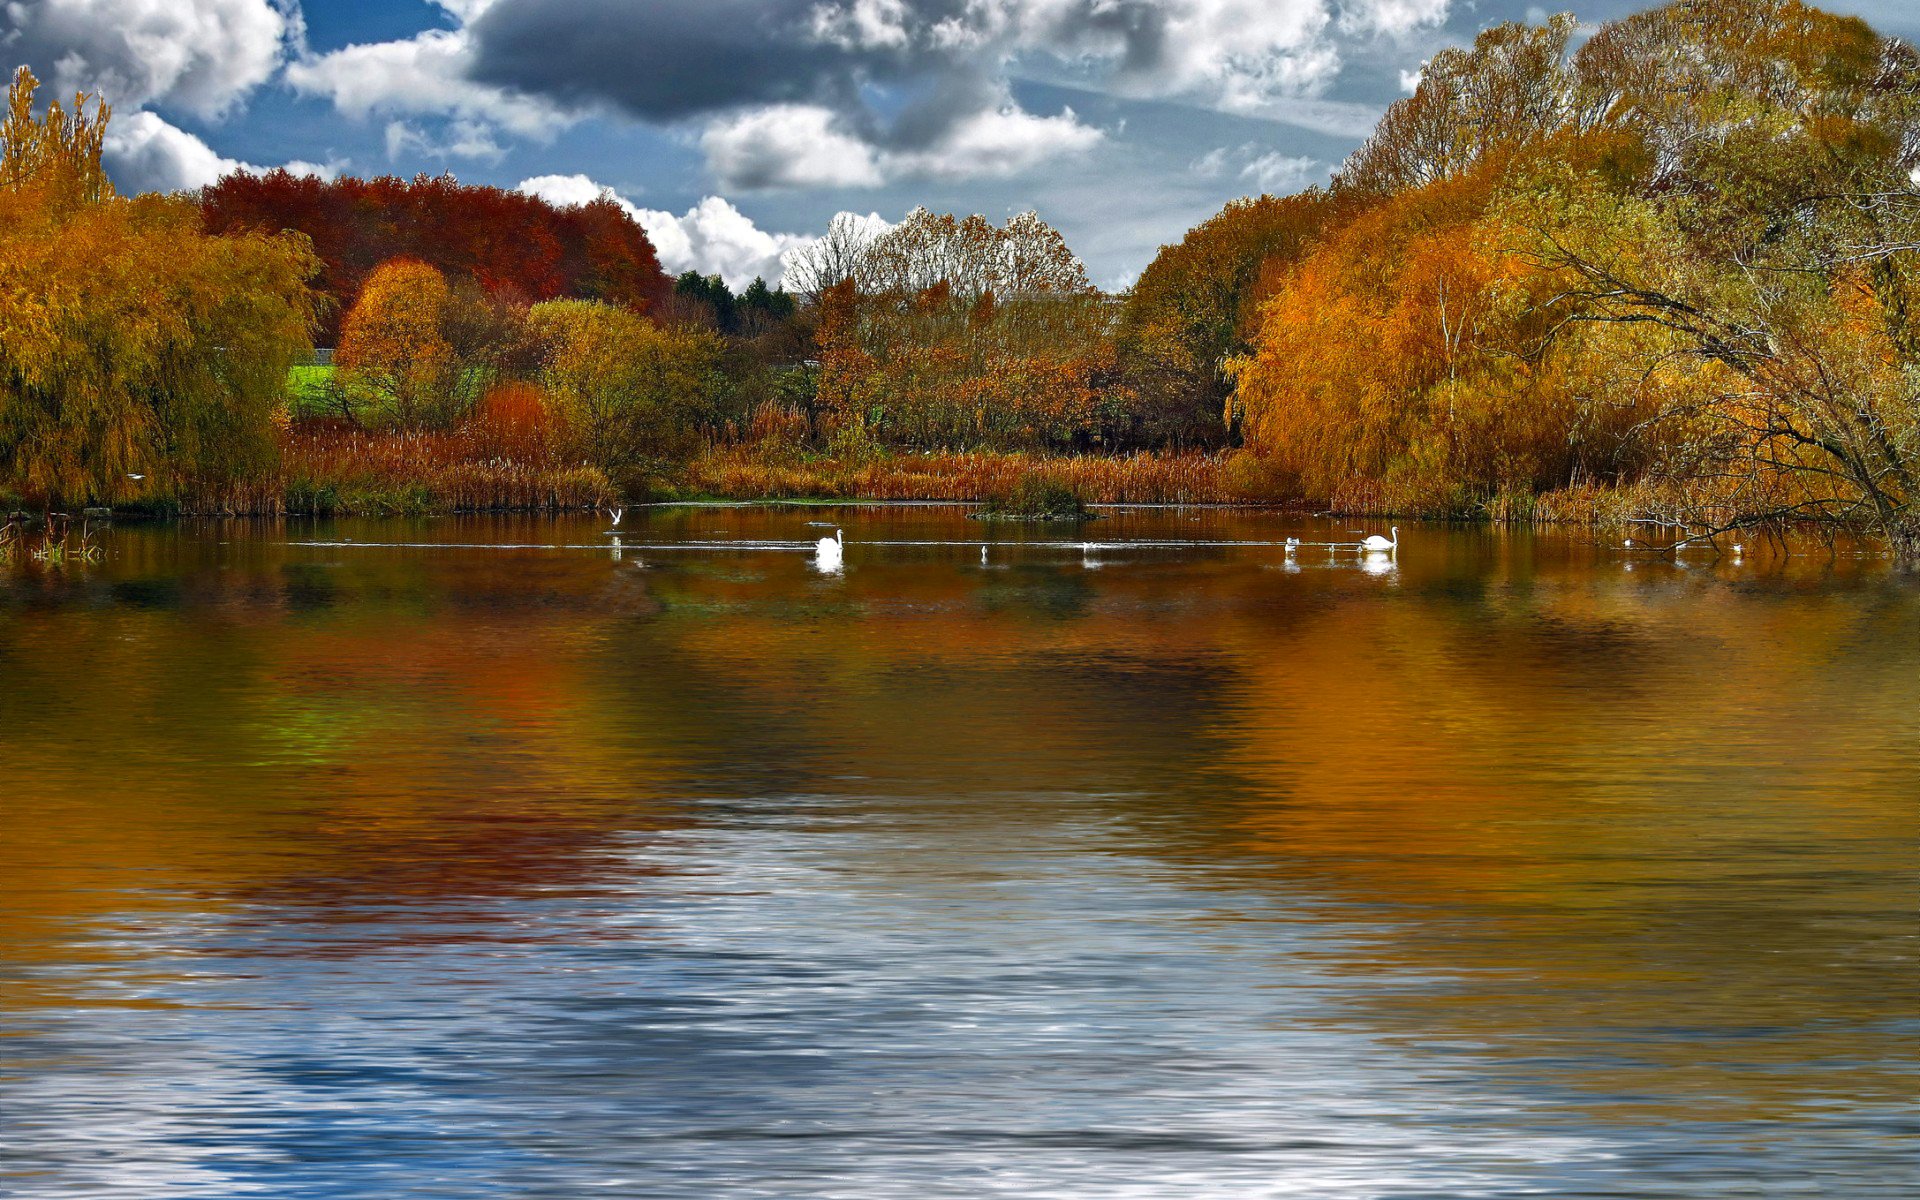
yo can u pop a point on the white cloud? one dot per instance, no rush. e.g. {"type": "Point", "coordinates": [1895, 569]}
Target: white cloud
{"type": "Point", "coordinates": [787, 145]}
{"type": "Point", "coordinates": [713, 237]}
{"type": "Point", "coordinates": [1277, 174]}
{"type": "Point", "coordinates": [1264, 170]}
{"type": "Point", "coordinates": [571, 191]}
{"type": "Point", "coordinates": [425, 76]}
{"type": "Point", "coordinates": [203, 56]}
{"type": "Point", "coordinates": [143, 153]}
{"type": "Point", "coordinates": [453, 139]}
{"type": "Point", "coordinates": [1397, 18]}
{"type": "Point", "coordinates": [863, 24]}
{"type": "Point", "coordinates": [797, 146]}
{"type": "Point", "coordinates": [1006, 141]}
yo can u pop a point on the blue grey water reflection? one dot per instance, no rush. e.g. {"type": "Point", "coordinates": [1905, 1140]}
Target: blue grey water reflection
{"type": "Point", "coordinates": [379, 859]}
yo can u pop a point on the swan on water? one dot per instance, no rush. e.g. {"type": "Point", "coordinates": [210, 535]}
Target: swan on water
{"type": "Point", "coordinates": [983, 556]}
{"type": "Point", "coordinates": [1292, 545]}
{"type": "Point", "coordinates": [828, 551]}
{"type": "Point", "coordinates": [1379, 545]}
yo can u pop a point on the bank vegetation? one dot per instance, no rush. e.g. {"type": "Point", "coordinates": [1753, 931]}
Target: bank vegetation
{"type": "Point", "coordinates": [1665, 273]}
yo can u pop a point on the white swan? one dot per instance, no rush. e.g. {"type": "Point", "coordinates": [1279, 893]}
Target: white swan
{"type": "Point", "coordinates": [983, 556]}
{"type": "Point", "coordinates": [1292, 545]}
{"type": "Point", "coordinates": [1379, 545]}
{"type": "Point", "coordinates": [828, 552]}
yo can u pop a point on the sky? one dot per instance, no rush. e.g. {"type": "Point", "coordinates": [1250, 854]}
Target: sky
{"type": "Point", "coordinates": [734, 130]}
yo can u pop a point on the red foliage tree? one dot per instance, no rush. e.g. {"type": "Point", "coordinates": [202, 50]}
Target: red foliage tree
{"type": "Point", "coordinates": [509, 243]}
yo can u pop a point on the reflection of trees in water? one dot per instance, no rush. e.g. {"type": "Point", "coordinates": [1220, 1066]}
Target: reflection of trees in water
{"type": "Point", "coordinates": [1554, 807]}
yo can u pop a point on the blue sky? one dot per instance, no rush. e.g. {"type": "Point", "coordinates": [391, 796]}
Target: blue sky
{"type": "Point", "coordinates": [734, 128]}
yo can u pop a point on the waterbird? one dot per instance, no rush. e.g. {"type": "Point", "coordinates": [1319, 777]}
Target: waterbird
{"type": "Point", "coordinates": [617, 514]}
{"type": "Point", "coordinates": [983, 556]}
{"type": "Point", "coordinates": [1380, 545]}
{"type": "Point", "coordinates": [1292, 545]}
{"type": "Point", "coordinates": [828, 551]}
{"type": "Point", "coordinates": [135, 478]}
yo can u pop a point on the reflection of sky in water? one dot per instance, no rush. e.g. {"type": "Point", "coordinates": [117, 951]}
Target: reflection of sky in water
{"type": "Point", "coordinates": [1098, 869]}
{"type": "Point", "coordinates": [798, 1006]}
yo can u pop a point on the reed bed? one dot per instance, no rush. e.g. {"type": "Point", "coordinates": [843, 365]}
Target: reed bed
{"type": "Point", "coordinates": [329, 469]}
{"type": "Point", "coordinates": [1130, 479]}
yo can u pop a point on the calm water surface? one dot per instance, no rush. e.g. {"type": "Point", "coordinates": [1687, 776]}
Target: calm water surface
{"type": "Point", "coordinates": [471, 858]}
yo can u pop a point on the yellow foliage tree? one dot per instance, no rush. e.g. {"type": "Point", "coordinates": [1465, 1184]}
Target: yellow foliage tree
{"type": "Point", "coordinates": [633, 397]}
{"type": "Point", "coordinates": [138, 356]}
{"type": "Point", "coordinates": [394, 356]}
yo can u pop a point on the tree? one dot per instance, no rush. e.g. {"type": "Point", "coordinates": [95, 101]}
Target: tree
{"type": "Point", "coordinates": [634, 397]}
{"type": "Point", "coordinates": [138, 356]}
{"type": "Point", "coordinates": [58, 155]}
{"type": "Point", "coordinates": [1771, 238]}
{"type": "Point", "coordinates": [1512, 88]}
{"type": "Point", "coordinates": [1196, 306]}
{"type": "Point", "coordinates": [950, 332]}
{"type": "Point", "coordinates": [508, 243]}
{"type": "Point", "coordinates": [394, 355]}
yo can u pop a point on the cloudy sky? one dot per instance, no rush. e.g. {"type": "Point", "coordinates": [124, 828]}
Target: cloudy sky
{"type": "Point", "coordinates": [735, 128]}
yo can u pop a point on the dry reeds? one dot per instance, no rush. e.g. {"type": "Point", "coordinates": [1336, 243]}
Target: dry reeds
{"type": "Point", "coordinates": [1130, 479]}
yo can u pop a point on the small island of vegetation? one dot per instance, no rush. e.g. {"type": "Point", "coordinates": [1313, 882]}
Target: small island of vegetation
{"type": "Point", "coordinates": [1665, 273]}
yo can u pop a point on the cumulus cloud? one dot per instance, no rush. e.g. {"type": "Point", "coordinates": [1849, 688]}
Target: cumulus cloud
{"type": "Point", "coordinates": [427, 76]}
{"type": "Point", "coordinates": [798, 93]}
{"type": "Point", "coordinates": [1279, 174]}
{"type": "Point", "coordinates": [809, 146]}
{"type": "Point", "coordinates": [788, 145]}
{"type": "Point", "coordinates": [713, 237]}
{"type": "Point", "coordinates": [203, 56]}
{"type": "Point", "coordinates": [1262, 170]}
{"type": "Point", "coordinates": [143, 153]}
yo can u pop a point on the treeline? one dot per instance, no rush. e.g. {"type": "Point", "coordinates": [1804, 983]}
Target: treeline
{"type": "Point", "coordinates": [1671, 265]}
{"type": "Point", "coordinates": [512, 246]}
{"type": "Point", "coordinates": [1676, 263]}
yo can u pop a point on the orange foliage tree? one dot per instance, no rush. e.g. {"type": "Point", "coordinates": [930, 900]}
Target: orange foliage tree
{"type": "Point", "coordinates": [1196, 307]}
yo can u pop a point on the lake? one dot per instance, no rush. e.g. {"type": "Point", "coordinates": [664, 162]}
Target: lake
{"type": "Point", "coordinates": [476, 857]}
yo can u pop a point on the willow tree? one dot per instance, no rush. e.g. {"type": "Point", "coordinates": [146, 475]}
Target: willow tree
{"type": "Point", "coordinates": [139, 357]}
{"type": "Point", "coordinates": [1771, 232]}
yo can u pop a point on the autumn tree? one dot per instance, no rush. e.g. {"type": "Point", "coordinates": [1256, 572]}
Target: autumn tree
{"type": "Point", "coordinates": [633, 397]}
{"type": "Point", "coordinates": [138, 356]}
{"type": "Point", "coordinates": [393, 355]}
{"type": "Point", "coordinates": [1196, 307]}
{"type": "Point", "coordinates": [949, 332]}
{"type": "Point", "coordinates": [1771, 234]}
{"type": "Point", "coordinates": [508, 243]}
{"type": "Point", "coordinates": [1681, 256]}
{"type": "Point", "coordinates": [1512, 88]}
